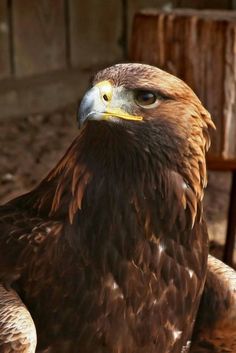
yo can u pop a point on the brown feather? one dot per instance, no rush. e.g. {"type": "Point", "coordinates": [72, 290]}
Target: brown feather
{"type": "Point", "coordinates": [109, 252]}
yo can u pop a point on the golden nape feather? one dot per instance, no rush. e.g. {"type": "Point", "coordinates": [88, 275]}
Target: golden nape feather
{"type": "Point", "coordinates": [109, 252]}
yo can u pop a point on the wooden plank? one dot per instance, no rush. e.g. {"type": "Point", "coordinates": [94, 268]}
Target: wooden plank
{"type": "Point", "coordinates": [231, 228]}
{"type": "Point", "coordinates": [219, 164]}
{"type": "Point", "coordinates": [5, 67]}
{"type": "Point", "coordinates": [134, 6]}
{"type": "Point", "coordinates": [38, 36]}
{"type": "Point", "coordinates": [205, 4]}
{"type": "Point", "coordinates": [204, 69]}
{"type": "Point", "coordinates": [144, 37]}
{"type": "Point", "coordinates": [42, 94]}
{"type": "Point", "coordinates": [95, 32]}
{"type": "Point", "coordinates": [229, 126]}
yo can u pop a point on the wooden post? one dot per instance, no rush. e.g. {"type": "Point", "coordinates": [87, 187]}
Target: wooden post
{"type": "Point", "coordinates": [5, 66]}
{"type": "Point", "coordinates": [95, 33]}
{"type": "Point", "coordinates": [39, 36]}
{"type": "Point", "coordinates": [199, 47]}
{"type": "Point", "coordinates": [231, 227]}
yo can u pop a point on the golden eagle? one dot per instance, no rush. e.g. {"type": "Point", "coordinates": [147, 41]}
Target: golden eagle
{"type": "Point", "coordinates": [110, 250]}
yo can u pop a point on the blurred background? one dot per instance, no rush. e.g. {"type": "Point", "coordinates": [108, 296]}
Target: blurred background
{"type": "Point", "coordinates": [50, 49]}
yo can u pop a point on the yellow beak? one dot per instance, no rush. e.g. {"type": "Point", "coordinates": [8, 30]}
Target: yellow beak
{"type": "Point", "coordinates": [103, 102]}
{"type": "Point", "coordinates": [119, 113]}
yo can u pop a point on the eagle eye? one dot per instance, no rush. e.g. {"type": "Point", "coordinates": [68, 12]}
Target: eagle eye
{"type": "Point", "coordinates": [145, 99]}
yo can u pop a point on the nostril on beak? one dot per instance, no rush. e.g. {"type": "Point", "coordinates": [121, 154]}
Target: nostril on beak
{"type": "Point", "coordinates": [105, 97]}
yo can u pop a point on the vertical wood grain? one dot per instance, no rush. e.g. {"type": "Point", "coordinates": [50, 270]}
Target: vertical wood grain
{"type": "Point", "coordinates": [229, 123]}
{"type": "Point", "coordinates": [38, 36]}
{"type": "Point", "coordinates": [5, 67]}
{"type": "Point", "coordinates": [133, 6]}
{"type": "Point", "coordinates": [95, 32]}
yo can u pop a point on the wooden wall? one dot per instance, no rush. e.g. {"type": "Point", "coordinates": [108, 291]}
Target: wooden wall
{"type": "Point", "coordinates": [50, 48]}
{"type": "Point", "coordinates": [48, 35]}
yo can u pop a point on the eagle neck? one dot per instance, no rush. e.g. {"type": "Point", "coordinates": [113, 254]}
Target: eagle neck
{"type": "Point", "coordinates": [110, 168]}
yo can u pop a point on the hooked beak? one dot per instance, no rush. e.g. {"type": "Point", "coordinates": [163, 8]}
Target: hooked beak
{"type": "Point", "coordinates": [102, 102]}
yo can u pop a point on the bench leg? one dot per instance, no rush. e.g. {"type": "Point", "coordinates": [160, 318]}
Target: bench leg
{"type": "Point", "coordinates": [231, 228]}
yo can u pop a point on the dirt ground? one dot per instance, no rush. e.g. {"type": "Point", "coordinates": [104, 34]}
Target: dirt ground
{"type": "Point", "coordinates": [31, 146]}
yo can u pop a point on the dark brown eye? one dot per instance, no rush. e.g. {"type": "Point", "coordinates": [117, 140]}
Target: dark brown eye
{"type": "Point", "coordinates": [145, 99]}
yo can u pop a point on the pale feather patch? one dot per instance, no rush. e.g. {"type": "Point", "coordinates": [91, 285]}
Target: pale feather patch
{"type": "Point", "coordinates": [190, 272]}
{"type": "Point", "coordinates": [185, 348]}
{"type": "Point", "coordinates": [113, 286]}
{"type": "Point", "coordinates": [161, 248]}
{"type": "Point", "coordinates": [176, 334]}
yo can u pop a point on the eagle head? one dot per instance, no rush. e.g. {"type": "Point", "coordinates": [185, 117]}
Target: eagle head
{"type": "Point", "coordinates": [159, 114]}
